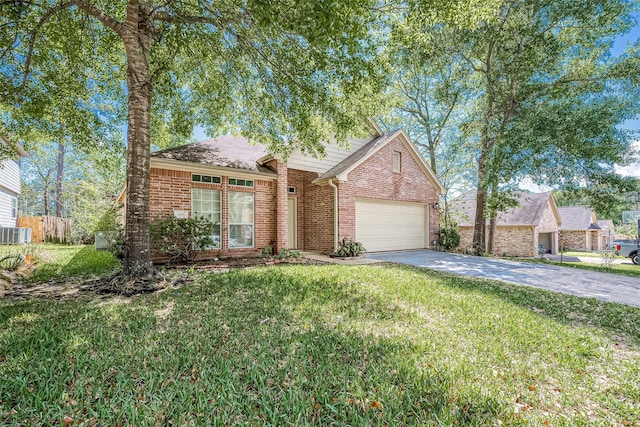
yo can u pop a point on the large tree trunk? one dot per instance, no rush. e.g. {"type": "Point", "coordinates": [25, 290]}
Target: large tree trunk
{"type": "Point", "coordinates": [479, 223]}
{"type": "Point", "coordinates": [491, 244]}
{"type": "Point", "coordinates": [137, 42]}
{"type": "Point", "coordinates": [60, 179]}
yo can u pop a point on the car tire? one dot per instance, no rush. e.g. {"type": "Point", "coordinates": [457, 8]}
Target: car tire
{"type": "Point", "coordinates": [634, 258]}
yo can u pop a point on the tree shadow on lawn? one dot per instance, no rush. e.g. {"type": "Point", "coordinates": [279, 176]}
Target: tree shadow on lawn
{"type": "Point", "coordinates": [87, 262]}
{"type": "Point", "coordinates": [260, 346]}
{"type": "Point", "coordinates": [622, 321]}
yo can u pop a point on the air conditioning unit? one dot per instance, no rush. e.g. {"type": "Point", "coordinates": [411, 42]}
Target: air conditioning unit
{"type": "Point", "coordinates": [14, 235]}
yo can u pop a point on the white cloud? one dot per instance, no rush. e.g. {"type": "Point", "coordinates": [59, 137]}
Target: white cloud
{"type": "Point", "coordinates": [529, 185]}
{"type": "Point", "coordinates": [634, 168]}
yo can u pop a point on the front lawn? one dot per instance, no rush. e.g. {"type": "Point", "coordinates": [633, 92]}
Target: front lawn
{"type": "Point", "coordinates": [58, 262]}
{"type": "Point", "coordinates": [322, 345]}
{"type": "Point", "coordinates": [630, 270]}
{"type": "Point", "coordinates": [589, 254]}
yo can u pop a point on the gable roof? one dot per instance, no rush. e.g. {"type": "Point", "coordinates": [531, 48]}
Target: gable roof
{"type": "Point", "coordinates": [227, 152]}
{"type": "Point", "coordinates": [529, 211]}
{"type": "Point", "coordinates": [607, 225]}
{"type": "Point", "coordinates": [15, 145]}
{"type": "Point", "coordinates": [342, 169]}
{"type": "Point", "coordinates": [577, 218]}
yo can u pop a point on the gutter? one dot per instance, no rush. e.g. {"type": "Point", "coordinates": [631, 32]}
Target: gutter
{"type": "Point", "coordinates": [335, 213]}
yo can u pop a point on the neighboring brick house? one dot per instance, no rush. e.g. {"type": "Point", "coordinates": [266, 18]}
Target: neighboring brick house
{"type": "Point", "coordinates": [381, 191]}
{"type": "Point", "coordinates": [523, 231]}
{"type": "Point", "coordinates": [10, 185]}
{"type": "Point", "coordinates": [580, 230]}
{"type": "Point", "coordinates": [607, 234]}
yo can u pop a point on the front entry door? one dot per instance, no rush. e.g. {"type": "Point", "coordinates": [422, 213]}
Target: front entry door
{"type": "Point", "coordinates": [292, 223]}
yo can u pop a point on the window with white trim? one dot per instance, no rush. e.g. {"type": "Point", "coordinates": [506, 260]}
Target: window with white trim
{"type": "Point", "coordinates": [206, 204]}
{"type": "Point", "coordinates": [396, 161]}
{"type": "Point", "coordinates": [241, 182]}
{"type": "Point", "coordinates": [209, 179]}
{"type": "Point", "coordinates": [241, 219]}
{"type": "Point", "coordinates": [14, 208]}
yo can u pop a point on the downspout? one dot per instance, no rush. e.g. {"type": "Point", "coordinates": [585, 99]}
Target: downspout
{"type": "Point", "coordinates": [335, 214]}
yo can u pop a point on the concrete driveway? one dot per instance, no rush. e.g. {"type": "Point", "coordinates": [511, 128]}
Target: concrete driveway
{"type": "Point", "coordinates": [584, 283]}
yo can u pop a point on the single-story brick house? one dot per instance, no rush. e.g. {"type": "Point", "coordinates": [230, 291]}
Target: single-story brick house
{"type": "Point", "coordinates": [607, 234]}
{"type": "Point", "coordinates": [579, 230]}
{"type": "Point", "coordinates": [379, 192]}
{"type": "Point", "coordinates": [524, 230]}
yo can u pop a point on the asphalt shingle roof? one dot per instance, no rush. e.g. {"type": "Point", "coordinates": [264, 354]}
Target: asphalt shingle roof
{"type": "Point", "coordinates": [225, 151]}
{"type": "Point", "coordinates": [577, 218]}
{"type": "Point", "coordinates": [529, 212]}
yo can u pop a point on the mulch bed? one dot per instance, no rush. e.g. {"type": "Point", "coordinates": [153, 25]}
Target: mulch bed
{"type": "Point", "coordinates": [168, 277]}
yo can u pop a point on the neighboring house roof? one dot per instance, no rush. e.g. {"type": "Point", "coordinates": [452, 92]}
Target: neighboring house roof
{"type": "Point", "coordinates": [577, 218]}
{"type": "Point", "coordinates": [529, 211]}
{"type": "Point", "coordinates": [232, 152]}
{"type": "Point", "coordinates": [607, 225]}
{"type": "Point", "coordinates": [341, 170]}
{"type": "Point", "coordinates": [17, 146]}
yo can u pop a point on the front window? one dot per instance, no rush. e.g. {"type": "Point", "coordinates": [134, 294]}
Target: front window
{"type": "Point", "coordinates": [240, 220]}
{"type": "Point", "coordinates": [206, 204]}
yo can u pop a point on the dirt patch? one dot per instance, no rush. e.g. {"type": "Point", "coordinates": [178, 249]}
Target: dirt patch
{"type": "Point", "coordinates": [172, 276]}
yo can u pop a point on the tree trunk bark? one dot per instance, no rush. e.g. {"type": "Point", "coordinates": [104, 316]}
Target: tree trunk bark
{"type": "Point", "coordinates": [491, 244]}
{"type": "Point", "coordinates": [432, 157]}
{"type": "Point", "coordinates": [137, 42]}
{"type": "Point", "coordinates": [46, 198]}
{"type": "Point", "coordinates": [479, 227]}
{"type": "Point", "coordinates": [60, 179]}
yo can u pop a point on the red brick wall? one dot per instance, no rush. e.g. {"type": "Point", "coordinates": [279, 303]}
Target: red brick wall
{"type": "Point", "coordinates": [171, 190]}
{"type": "Point", "coordinates": [315, 212]}
{"type": "Point", "coordinates": [281, 208]}
{"type": "Point", "coordinates": [300, 180]}
{"type": "Point", "coordinates": [375, 179]}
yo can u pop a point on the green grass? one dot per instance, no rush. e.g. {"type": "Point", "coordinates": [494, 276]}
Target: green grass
{"type": "Point", "coordinates": [57, 262]}
{"type": "Point", "coordinates": [630, 270]}
{"type": "Point", "coordinates": [323, 345]}
{"type": "Point", "coordinates": [588, 254]}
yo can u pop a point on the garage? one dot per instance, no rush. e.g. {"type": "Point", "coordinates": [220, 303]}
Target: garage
{"type": "Point", "coordinates": [389, 226]}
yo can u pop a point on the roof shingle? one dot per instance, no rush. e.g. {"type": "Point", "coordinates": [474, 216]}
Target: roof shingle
{"type": "Point", "coordinates": [577, 218]}
{"type": "Point", "coordinates": [529, 211]}
{"type": "Point", "coordinates": [225, 151]}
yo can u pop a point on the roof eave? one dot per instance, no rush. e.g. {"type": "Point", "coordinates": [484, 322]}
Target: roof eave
{"type": "Point", "coordinates": [200, 167]}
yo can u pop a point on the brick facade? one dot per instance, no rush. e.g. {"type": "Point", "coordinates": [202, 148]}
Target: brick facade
{"type": "Point", "coordinates": [574, 240]}
{"type": "Point", "coordinates": [315, 211]}
{"type": "Point", "coordinates": [171, 190]}
{"type": "Point", "coordinates": [516, 241]}
{"type": "Point", "coordinates": [375, 179]}
{"type": "Point", "coordinates": [519, 240]}
{"type": "Point", "coordinates": [372, 179]}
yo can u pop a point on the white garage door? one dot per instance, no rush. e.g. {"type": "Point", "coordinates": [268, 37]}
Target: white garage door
{"type": "Point", "coordinates": [388, 226]}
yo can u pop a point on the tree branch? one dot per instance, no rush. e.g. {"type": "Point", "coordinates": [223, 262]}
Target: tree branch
{"type": "Point", "coordinates": [106, 19]}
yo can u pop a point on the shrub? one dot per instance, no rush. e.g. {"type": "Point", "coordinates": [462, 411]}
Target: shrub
{"type": "Point", "coordinates": [349, 248]}
{"type": "Point", "coordinates": [113, 232]}
{"type": "Point", "coordinates": [181, 239]}
{"type": "Point", "coordinates": [449, 237]}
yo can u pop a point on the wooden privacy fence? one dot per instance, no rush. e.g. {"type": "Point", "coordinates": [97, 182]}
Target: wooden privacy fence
{"type": "Point", "coordinates": [48, 229]}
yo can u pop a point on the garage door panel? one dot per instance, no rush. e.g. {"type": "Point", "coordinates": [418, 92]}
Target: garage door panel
{"type": "Point", "coordinates": [384, 226]}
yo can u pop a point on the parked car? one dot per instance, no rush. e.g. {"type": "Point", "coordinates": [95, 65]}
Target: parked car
{"type": "Point", "coordinates": [628, 248]}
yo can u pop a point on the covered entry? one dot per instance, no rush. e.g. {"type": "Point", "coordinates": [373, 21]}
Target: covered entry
{"type": "Point", "coordinates": [387, 226]}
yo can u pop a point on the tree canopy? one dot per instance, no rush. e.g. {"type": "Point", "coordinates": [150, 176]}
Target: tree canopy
{"type": "Point", "coordinates": [286, 74]}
